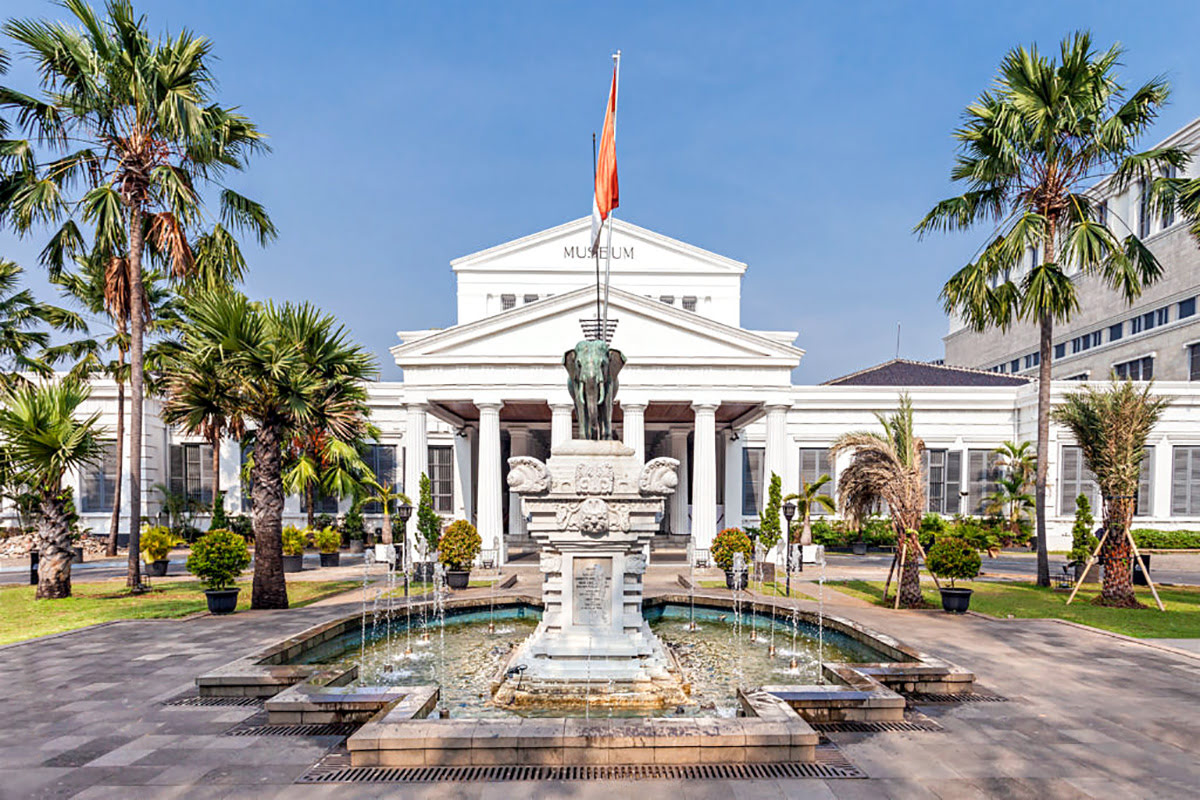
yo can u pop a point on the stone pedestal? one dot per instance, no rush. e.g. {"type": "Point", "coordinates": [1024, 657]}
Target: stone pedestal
{"type": "Point", "coordinates": [593, 507]}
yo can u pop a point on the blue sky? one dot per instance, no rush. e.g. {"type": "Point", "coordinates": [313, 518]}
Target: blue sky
{"type": "Point", "coordinates": [804, 139]}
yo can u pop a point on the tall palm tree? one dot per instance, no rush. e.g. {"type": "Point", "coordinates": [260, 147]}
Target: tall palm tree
{"type": "Point", "coordinates": [42, 440]}
{"type": "Point", "coordinates": [25, 326]}
{"type": "Point", "coordinates": [290, 365]}
{"type": "Point", "coordinates": [1018, 466]}
{"type": "Point", "coordinates": [1030, 150]}
{"type": "Point", "coordinates": [887, 466]}
{"type": "Point", "coordinates": [132, 120]}
{"type": "Point", "coordinates": [808, 499]}
{"type": "Point", "coordinates": [1111, 426]}
{"type": "Point", "coordinates": [318, 464]}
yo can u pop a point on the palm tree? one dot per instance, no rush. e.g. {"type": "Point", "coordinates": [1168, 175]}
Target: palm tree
{"type": "Point", "coordinates": [132, 120]}
{"type": "Point", "coordinates": [1011, 500]}
{"type": "Point", "coordinates": [887, 466]}
{"type": "Point", "coordinates": [42, 441]}
{"type": "Point", "coordinates": [290, 366]}
{"type": "Point", "coordinates": [1030, 150]}
{"type": "Point", "coordinates": [317, 463]}
{"type": "Point", "coordinates": [386, 495]}
{"type": "Point", "coordinates": [25, 326]}
{"type": "Point", "coordinates": [807, 499]}
{"type": "Point", "coordinates": [1111, 426]}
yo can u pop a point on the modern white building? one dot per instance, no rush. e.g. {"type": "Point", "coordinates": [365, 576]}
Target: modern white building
{"type": "Point", "coordinates": [698, 387]}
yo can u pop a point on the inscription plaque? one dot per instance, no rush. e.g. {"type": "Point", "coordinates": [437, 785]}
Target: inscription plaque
{"type": "Point", "coordinates": [592, 591]}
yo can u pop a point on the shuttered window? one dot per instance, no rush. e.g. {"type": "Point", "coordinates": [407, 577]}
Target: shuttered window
{"type": "Point", "coordinates": [814, 462]}
{"type": "Point", "coordinates": [943, 474]}
{"type": "Point", "coordinates": [1185, 482]}
{"type": "Point", "coordinates": [190, 472]}
{"type": "Point", "coordinates": [1075, 479]}
{"type": "Point", "coordinates": [381, 461]}
{"type": "Point", "coordinates": [1194, 363]}
{"type": "Point", "coordinates": [753, 465]}
{"type": "Point", "coordinates": [982, 472]}
{"type": "Point", "coordinates": [441, 477]}
{"type": "Point", "coordinates": [98, 483]}
{"type": "Point", "coordinates": [1145, 493]}
{"type": "Point", "coordinates": [323, 505]}
{"type": "Point", "coordinates": [247, 484]}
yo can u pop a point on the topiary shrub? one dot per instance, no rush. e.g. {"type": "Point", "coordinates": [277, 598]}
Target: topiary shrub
{"type": "Point", "coordinates": [1083, 541]}
{"type": "Point", "coordinates": [429, 523]}
{"type": "Point", "coordinates": [352, 524]}
{"type": "Point", "coordinates": [156, 543]}
{"type": "Point", "coordinates": [327, 540]}
{"type": "Point", "coordinates": [459, 545]}
{"type": "Point", "coordinates": [294, 541]}
{"type": "Point", "coordinates": [219, 521]}
{"type": "Point", "coordinates": [953, 558]}
{"type": "Point", "coordinates": [218, 558]}
{"type": "Point", "coordinates": [728, 542]}
{"type": "Point", "coordinates": [769, 530]}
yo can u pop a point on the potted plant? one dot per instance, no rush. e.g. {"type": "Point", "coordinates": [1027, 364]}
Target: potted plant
{"type": "Point", "coordinates": [294, 542]}
{"type": "Point", "coordinates": [352, 527]}
{"type": "Point", "coordinates": [429, 530]}
{"type": "Point", "coordinates": [217, 558]}
{"type": "Point", "coordinates": [156, 543]}
{"type": "Point", "coordinates": [954, 559]}
{"type": "Point", "coordinates": [729, 542]}
{"type": "Point", "coordinates": [457, 549]}
{"type": "Point", "coordinates": [328, 541]}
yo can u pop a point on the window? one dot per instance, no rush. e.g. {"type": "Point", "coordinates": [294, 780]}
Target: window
{"type": "Point", "coordinates": [1187, 308]}
{"type": "Point", "coordinates": [1115, 332]}
{"type": "Point", "coordinates": [1015, 365]}
{"type": "Point", "coordinates": [381, 460]}
{"type": "Point", "coordinates": [1140, 369]}
{"type": "Point", "coordinates": [441, 477]}
{"type": "Point", "coordinates": [1060, 350]}
{"type": "Point", "coordinates": [1075, 479]}
{"type": "Point", "coordinates": [1185, 482]}
{"type": "Point", "coordinates": [1097, 338]}
{"type": "Point", "coordinates": [1102, 212]}
{"type": "Point", "coordinates": [1194, 362]}
{"type": "Point", "coordinates": [1083, 376]}
{"type": "Point", "coordinates": [669, 299]}
{"type": "Point", "coordinates": [191, 472]}
{"type": "Point", "coordinates": [982, 473]}
{"type": "Point", "coordinates": [98, 482]}
{"type": "Point", "coordinates": [753, 465]}
{"type": "Point", "coordinates": [1148, 320]}
{"type": "Point", "coordinates": [1143, 507]}
{"type": "Point", "coordinates": [530, 298]}
{"type": "Point", "coordinates": [689, 303]}
{"type": "Point", "coordinates": [943, 472]}
{"type": "Point", "coordinates": [1168, 214]}
{"type": "Point", "coordinates": [1032, 360]}
{"type": "Point", "coordinates": [508, 301]}
{"type": "Point", "coordinates": [814, 462]}
{"type": "Point", "coordinates": [1144, 210]}
{"type": "Point", "coordinates": [1162, 316]}
{"type": "Point", "coordinates": [1135, 325]}
{"type": "Point", "coordinates": [323, 505]}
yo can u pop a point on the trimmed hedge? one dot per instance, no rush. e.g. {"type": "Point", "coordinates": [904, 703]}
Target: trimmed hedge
{"type": "Point", "coordinates": [1166, 540]}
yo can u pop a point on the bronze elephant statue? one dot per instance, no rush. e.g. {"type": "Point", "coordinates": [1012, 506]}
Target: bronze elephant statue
{"type": "Point", "coordinates": [592, 369]}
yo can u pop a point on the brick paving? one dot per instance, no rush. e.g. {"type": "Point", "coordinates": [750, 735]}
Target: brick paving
{"type": "Point", "coordinates": [1090, 715]}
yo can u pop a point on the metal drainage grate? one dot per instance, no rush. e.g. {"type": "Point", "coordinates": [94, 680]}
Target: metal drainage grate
{"type": "Point", "coordinates": [855, 726]}
{"type": "Point", "coordinates": [334, 768]}
{"type": "Point", "coordinates": [195, 701]}
{"type": "Point", "coordinates": [961, 697]}
{"type": "Point", "coordinates": [310, 729]}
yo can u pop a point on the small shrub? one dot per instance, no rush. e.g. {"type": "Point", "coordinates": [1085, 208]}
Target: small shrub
{"type": "Point", "coordinates": [322, 521]}
{"type": "Point", "coordinates": [242, 526]}
{"type": "Point", "coordinates": [768, 521]}
{"type": "Point", "coordinates": [352, 524]}
{"type": "Point", "coordinates": [327, 540]}
{"type": "Point", "coordinates": [954, 558]}
{"type": "Point", "coordinates": [459, 545]}
{"type": "Point", "coordinates": [218, 558]}
{"type": "Point", "coordinates": [429, 522]}
{"type": "Point", "coordinates": [1166, 540]}
{"type": "Point", "coordinates": [219, 521]}
{"type": "Point", "coordinates": [294, 541]}
{"type": "Point", "coordinates": [727, 543]}
{"type": "Point", "coordinates": [156, 543]}
{"type": "Point", "coordinates": [1083, 541]}
{"type": "Point", "coordinates": [976, 534]}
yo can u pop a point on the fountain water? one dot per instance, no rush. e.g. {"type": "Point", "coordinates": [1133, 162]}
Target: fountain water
{"type": "Point", "coordinates": [691, 557]}
{"type": "Point", "coordinates": [739, 575]}
{"type": "Point", "coordinates": [821, 621]}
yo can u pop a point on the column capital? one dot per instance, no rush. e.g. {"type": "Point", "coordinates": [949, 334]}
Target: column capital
{"type": "Point", "coordinates": [633, 406]}
{"type": "Point", "coordinates": [705, 407]}
{"type": "Point", "coordinates": [777, 405]}
{"type": "Point", "coordinates": [420, 406]}
{"type": "Point", "coordinates": [489, 405]}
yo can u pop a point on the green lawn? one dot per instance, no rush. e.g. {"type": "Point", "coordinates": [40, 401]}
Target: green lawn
{"type": "Point", "coordinates": [416, 588]}
{"type": "Point", "coordinates": [1024, 600]}
{"type": "Point", "coordinates": [105, 601]}
{"type": "Point", "coordinates": [778, 588]}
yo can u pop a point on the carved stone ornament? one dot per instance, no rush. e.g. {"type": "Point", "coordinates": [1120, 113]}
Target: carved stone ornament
{"type": "Point", "coordinates": [594, 478]}
{"type": "Point", "coordinates": [659, 476]}
{"type": "Point", "coordinates": [550, 563]}
{"type": "Point", "coordinates": [527, 475]}
{"type": "Point", "coordinates": [635, 564]}
{"type": "Point", "coordinates": [592, 516]}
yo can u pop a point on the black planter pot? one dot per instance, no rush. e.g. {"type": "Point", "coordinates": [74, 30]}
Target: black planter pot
{"type": "Point", "coordinates": [293, 563]}
{"type": "Point", "coordinates": [157, 569]}
{"type": "Point", "coordinates": [331, 559]}
{"type": "Point", "coordinates": [356, 545]}
{"type": "Point", "coordinates": [859, 548]}
{"type": "Point", "coordinates": [730, 578]}
{"type": "Point", "coordinates": [423, 572]}
{"type": "Point", "coordinates": [458, 578]}
{"type": "Point", "coordinates": [221, 601]}
{"type": "Point", "coordinates": [1139, 577]}
{"type": "Point", "coordinates": [77, 555]}
{"type": "Point", "coordinates": [956, 601]}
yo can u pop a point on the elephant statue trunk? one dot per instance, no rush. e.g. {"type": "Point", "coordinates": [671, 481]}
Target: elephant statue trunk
{"type": "Point", "coordinates": [592, 368]}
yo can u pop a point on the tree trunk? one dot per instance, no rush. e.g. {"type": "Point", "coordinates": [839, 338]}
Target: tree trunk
{"type": "Point", "coordinates": [270, 588]}
{"type": "Point", "coordinates": [136, 393]}
{"type": "Point", "coordinates": [387, 525]}
{"type": "Point", "coordinates": [1043, 447]}
{"type": "Point", "coordinates": [1117, 556]}
{"type": "Point", "coordinates": [910, 570]}
{"type": "Point", "coordinates": [54, 548]}
{"type": "Point", "coordinates": [311, 496]}
{"type": "Point", "coordinates": [114, 524]}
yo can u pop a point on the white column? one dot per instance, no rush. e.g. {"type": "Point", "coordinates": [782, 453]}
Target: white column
{"type": "Point", "coordinates": [704, 476]}
{"type": "Point", "coordinates": [519, 438]}
{"type": "Point", "coordinates": [679, 500]}
{"type": "Point", "coordinates": [464, 473]}
{"type": "Point", "coordinates": [733, 480]}
{"type": "Point", "coordinates": [1160, 478]}
{"type": "Point", "coordinates": [490, 517]}
{"type": "Point", "coordinates": [775, 453]}
{"type": "Point", "coordinates": [634, 424]}
{"type": "Point", "coordinates": [560, 423]}
{"type": "Point", "coordinates": [416, 463]}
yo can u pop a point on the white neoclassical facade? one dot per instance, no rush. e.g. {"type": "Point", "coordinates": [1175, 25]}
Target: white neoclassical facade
{"type": "Point", "coordinates": [697, 386]}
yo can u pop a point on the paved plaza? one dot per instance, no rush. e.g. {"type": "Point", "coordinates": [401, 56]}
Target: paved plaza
{"type": "Point", "coordinates": [1089, 714]}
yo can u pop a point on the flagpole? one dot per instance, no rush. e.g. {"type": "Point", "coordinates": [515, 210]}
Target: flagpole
{"type": "Point", "coordinates": [595, 251]}
{"type": "Point", "coordinates": [608, 247]}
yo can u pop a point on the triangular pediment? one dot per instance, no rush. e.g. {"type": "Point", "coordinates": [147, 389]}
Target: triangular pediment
{"type": "Point", "coordinates": [647, 331]}
{"type": "Point", "coordinates": [567, 248]}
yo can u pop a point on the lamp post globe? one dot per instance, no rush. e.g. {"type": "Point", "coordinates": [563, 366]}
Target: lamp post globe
{"type": "Point", "coordinates": [789, 511]}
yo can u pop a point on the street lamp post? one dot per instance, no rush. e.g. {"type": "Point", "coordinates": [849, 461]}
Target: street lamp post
{"type": "Point", "coordinates": [404, 512]}
{"type": "Point", "coordinates": [789, 511]}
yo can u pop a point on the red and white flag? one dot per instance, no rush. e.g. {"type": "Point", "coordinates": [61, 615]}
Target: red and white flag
{"type": "Point", "coordinates": [605, 198]}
